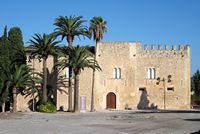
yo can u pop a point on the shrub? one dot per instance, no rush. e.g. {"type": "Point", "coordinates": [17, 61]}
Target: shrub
{"type": "Point", "coordinates": [47, 107]}
{"type": "Point", "coordinates": [195, 97]}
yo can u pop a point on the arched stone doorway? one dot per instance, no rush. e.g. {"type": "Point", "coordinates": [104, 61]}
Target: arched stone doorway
{"type": "Point", "coordinates": [111, 101]}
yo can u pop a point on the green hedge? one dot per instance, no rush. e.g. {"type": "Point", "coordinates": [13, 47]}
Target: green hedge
{"type": "Point", "coordinates": [194, 97]}
{"type": "Point", "coordinates": [47, 107]}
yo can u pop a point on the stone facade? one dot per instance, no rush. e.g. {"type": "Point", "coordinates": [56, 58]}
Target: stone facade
{"type": "Point", "coordinates": [132, 77]}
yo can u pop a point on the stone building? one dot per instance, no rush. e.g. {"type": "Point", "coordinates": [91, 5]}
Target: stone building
{"type": "Point", "coordinates": [131, 77]}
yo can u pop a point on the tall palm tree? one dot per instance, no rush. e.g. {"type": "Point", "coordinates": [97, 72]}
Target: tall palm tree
{"type": "Point", "coordinates": [69, 28]}
{"type": "Point", "coordinates": [97, 29]}
{"type": "Point", "coordinates": [81, 58]}
{"type": "Point", "coordinates": [43, 46]}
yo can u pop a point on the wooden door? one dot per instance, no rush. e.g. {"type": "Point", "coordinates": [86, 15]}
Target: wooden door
{"type": "Point", "coordinates": [111, 101]}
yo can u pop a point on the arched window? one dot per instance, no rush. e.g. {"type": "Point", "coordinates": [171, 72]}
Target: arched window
{"type": "Point", "coordinates": [151, 74]}
{"type": "Point", "coordinates": [115, 73]}
{"type": "Point", "coordinates": [118, 73]}
{"type": "Point", "coordinates": [154, 73]}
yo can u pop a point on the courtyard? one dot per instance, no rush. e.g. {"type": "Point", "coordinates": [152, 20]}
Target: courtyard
{"type": "Point", "coordinates": [105, 122]}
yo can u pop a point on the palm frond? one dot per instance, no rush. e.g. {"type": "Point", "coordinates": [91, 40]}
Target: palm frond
{"type": "Point", "coordinates": [69, 27]}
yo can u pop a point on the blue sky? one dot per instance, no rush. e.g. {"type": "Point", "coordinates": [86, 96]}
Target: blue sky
{"type": "Point", "coordinates": [148, 21]}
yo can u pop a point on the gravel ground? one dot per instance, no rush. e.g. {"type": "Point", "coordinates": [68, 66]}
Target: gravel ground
{"type": "Point", "coordinates": [107, 122]}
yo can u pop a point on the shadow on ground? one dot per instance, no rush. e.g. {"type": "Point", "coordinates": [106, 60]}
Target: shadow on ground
{"type": "Point", "coordinates": [192, 119]}
{"type": "Point", "coordinates": [165, 111]}
{"type": "Point", "coordinates": [195, 132]}
{"type": "Point", "coordinates": [11, 115]}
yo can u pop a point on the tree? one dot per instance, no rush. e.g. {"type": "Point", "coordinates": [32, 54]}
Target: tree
{"type": "Point", "coordinates": [70, 27]}
{"type": "Point", "coordinates": [4, 92]}
{"type": "Point", "coordinates": [34, 90]}
{"type": "Point", "coordinates": [5, 49]}
{"type": "Point", "coordinates": [97, 29]}
{"type": "Point", "coordinates": [10, 59]}
{"type": "Point", "coordinates": [195, 83]}
{"type": "Point", "coordinates": [17, 78]}
{"type": "Point", "coordinates": [5, 61]}
{"type": "Point", "coordinates": [16, 43]}
{"type": "Point", "coordinates": [80, 59]}
{"type": "Point", "coordinates": [15, 37]}
{"type": "Point", "coordinates": [43, 46]}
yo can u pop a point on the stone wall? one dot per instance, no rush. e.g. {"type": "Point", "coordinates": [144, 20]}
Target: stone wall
{"type": "Point", "coordinates": [134, 61]}
{"type": "Point", "coordinates": [168, 61]}
{"type": "Point", "coordinates": [112, 55]}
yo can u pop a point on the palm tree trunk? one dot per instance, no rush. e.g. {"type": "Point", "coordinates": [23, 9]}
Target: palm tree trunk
{"type": "Point", "coordinates": [14, 90]}
{"type": "Point", "coordinates": [70, 108]}
{"type": "Point", "coordinates": [92, 92]}
{"type": "Point", "coordinates": [3, 107]}
{"type": "Point", "coordinates": [93, 81]}
{"type": "Point", "coordinates": [44, 91]}
{"type": "Point", "coordinates": [70, 91]}
{"type": "Point", "coordinates": [76, 93]}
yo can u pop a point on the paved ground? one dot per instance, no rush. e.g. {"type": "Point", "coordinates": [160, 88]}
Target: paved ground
{"type": "Point", "coordinates": [108, 122]}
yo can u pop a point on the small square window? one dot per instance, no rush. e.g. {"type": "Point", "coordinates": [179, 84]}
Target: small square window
{"type": "Point", "coordinates": [170, 89]}
{"type": "Point", "coordinates": [142, 89]}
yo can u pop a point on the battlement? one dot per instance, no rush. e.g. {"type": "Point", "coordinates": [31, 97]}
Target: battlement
{"type": "Point", "coordinates": [167, 51]}
{"type": "Point", "coordinates": [148, 47]}
{"type": "Point", "coordinates": [167, 47]}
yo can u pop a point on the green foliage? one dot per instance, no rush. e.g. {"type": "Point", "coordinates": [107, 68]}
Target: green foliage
{"type": "Point", "coordinates": [43, 46]}
{"type": "Point", "coordinates": [16, 44]}
{"type": "Point", "coordinates": [5, 62]}
{"type": "Point", "coordinates": [20, 76]}
{"type": "Point", "coordinates": [80, 58]}
{"type": "Point", "coordinates": [4, 91]}
{"type": "Point", "coordinates": [47, 107]}
{"type": "Point", "coordinates": [194, 97]}
{"type": "Point", "coordinates": [9, 53]}
{"type": "Point", "coordinates": [70, 27]}
{"type": "Point", "coordinates": [97, 28]}
{"type": "Point", "coordinates": [15, 37]}
{"type": "Point", "coordinates": [13, 71]}
{"type": "Point", "coordinates": [195, 83]}
{"type": "Point", "coordinates": [5, 33]}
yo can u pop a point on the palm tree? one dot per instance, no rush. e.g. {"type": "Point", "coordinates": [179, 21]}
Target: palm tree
{"type": "Point", "coordinates": [34, 89]}
{"type": "Point", "coordinates": [17, 78]}
{"type": "Point", "coordinates": [43, 46]}
{"type": "Point", "coordinates": [81, 58]}
{"type": "Point", "coordinates": [70, 27]}
{"type": "Point", "coordinates": [97, 29]}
